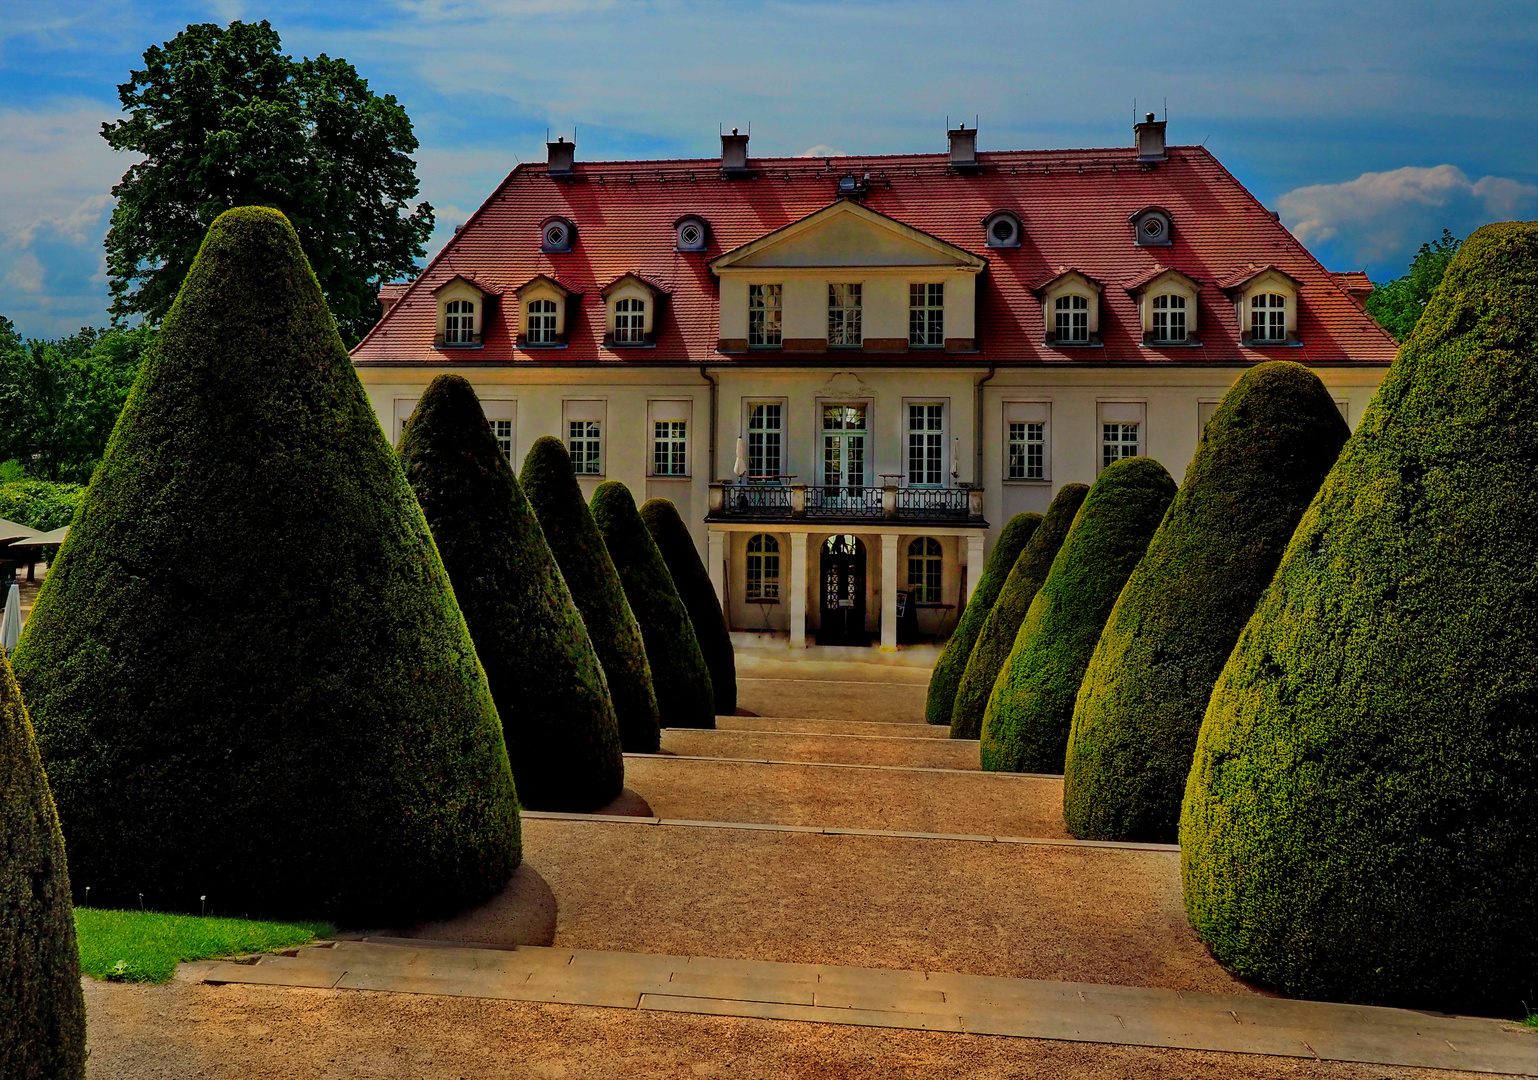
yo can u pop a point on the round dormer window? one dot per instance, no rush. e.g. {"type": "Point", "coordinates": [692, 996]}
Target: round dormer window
{"type": "Point", "coordinates": [1153, 228]}
{"type": "Point", "coordinates": [691, 234]}
{"type": "Point", "coordinates": [557, 236]}
{"type": "Point", "coordinates": [1003, 230]}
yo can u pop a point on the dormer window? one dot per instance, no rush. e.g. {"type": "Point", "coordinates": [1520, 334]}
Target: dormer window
{"type": "Point", "coordinates": [1070, 309]}
{"type": "Point", "coordinates": [462, 305]}
{"type": "Point", "coordinates": [1169, 318]}
{"type": "Point", "coordinates": [542, 304]}
{"type": "Point", "coordinates": [1167, 306]}
{"type": "Point", "coordinates": [1152, 227]}
{"type": "Point", "coordinates": [692, 234]}
{"type": "Point", "coordinates": [1265, 305]}
{"type": "Point", "coordinates": [631, 304]}
{"type": "Point", "coordinates": [1268, 318]}
{"type": "Point", "coordinates": [1002, 229]}
{"type": "Point", "coordinates": [556, 235]}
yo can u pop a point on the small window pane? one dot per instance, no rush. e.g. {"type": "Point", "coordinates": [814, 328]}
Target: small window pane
{"type": "Point", "coordinates": [1027, 450]}
{"type": "Point", "coordinates": [1118, 441]}
{"type": "Point", "coordinates": [1072, 320]}
{"type": "Point", "coordinates": [502, 431]}
{"type": "Point", "coordinates": [630, 321]}
{"type": "Point", "coordinates": [541, 322]}
{"type": "Point", "coordinates": [669, 448]}
{"type": "Point", "coordinates": [584, 442]}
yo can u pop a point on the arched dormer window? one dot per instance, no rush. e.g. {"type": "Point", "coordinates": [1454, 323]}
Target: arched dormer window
{"type": "Point", "coordinates": [557, 235]}
{"type": "Point", "coordinates": [542, 303]}
{"type": "Point", "coordinates": [462, 305]}
{"type": "Point", "coordinates": [1002, 229]}
{"type": "Point", "coordinates": [926, 565]}
{"type": "Point", "coordinates": [1167, 306]}
{"type": "Point", "coordinates": [459, 322]}
{"type": "Point", "coordinates": [1265, 305]}
{"type": "Point", "coordinates": [1070, 309]}
{"type": "Point", "coordinates": [692, 234]}
{"type": "Point", "coordinates": [1153, 226]}
{"type": "Point", "coordinates": [631, 307]}
{"type": "Point", "coordinates": [763, 566]}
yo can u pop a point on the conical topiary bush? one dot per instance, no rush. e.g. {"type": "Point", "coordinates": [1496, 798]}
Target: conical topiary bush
{"type": "Point", "coordinates": [699, 596]}
{"type": "Point", "coordinates": [1025, 727]}
{"type": "Point", "coordinates": [42, 1011]}
{"type": "Point", "coordinates": [550, 484]}
{"type": "Point", "coordinates": [997, 635]}
{"type": "Point", "coordinates": [685, 697]}
{"type": "Point", "coordinates": [948, 669]}
{"type": "Point", "coordinates": [1361, 818]}
{"type": "Point", "coordinates": [549, 688]}
{"type": "Point", "coordinates": [1260, 460]}
{"type": "Point", "coordinates": [248, 673]}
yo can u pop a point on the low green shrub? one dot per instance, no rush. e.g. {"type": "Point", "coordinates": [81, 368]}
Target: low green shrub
{"type": "Point", "coordinates": [550, 484]}
{"type": "Point", "coordinates": [948, 669]}
{"type": "Point", "coordinates": [997, 634]}
{"type": "Point", "coordinates": [1025, 727]}
{"type": "Point", "coordinates": [562, 737]}
{"type": "Point", "coordinates": [699, 596]}
{"type": "Point", "coordinates": [1361, 818]}
{"type": "Point", "coordinates": [685, 697]}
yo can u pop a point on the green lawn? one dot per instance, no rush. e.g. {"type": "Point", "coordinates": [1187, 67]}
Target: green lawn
{"type": "Point", "coordinates": [145, 946]}
{"type": "Point", "coordinates": [1532, 1021]}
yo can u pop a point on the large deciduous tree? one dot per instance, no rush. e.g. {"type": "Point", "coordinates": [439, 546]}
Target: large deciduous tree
{"type": "Point", "coordinates": [223, 118]}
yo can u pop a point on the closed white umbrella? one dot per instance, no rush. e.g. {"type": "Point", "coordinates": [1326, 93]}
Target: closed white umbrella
{"type": "Point", "coordinates": [739, 466]}
{"type": "Point", "coordinates": [10, 621]}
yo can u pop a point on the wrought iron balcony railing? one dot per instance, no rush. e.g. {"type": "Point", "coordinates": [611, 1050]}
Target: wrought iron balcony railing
{"type": "Point", "coordinates": [770, 502]}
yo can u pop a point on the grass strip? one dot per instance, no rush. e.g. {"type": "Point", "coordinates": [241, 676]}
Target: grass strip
{"type": "Point", "coordinates": [146, 946]}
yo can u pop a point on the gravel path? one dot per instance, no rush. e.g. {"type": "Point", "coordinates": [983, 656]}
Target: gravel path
{"type": "Point", "coordinates": [882, 749]}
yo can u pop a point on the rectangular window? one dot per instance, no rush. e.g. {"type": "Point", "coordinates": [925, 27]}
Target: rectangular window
{"type": "Point", "coordinates": [1117, 441]}
{"type": "Point", "coordinates": [585, 442]}
{"type": "Point", "coordinates": [764, 441]}
{"type": "Point", "coordinates": [926, 445]}
{"type": "Point", "coordinates": [1027, 450]}
{"type": "Point", "coordinates": [764, 316]}
{"type": "Point", "coordinates": [629, 321]}
{"type": "Point", "coordinates": [1072, 320]}
{"type": "Point", "coordinates": [1268, 317]}
{"type": "Point", "coordinates": [541, 322]}
{"type": "Point", "coordinates": [502, 431]}
{"type": "Point", "coordinates": [843, 446]}
{"type": "Point", "coordinates": [844, 315]}
{"type": "Point", "coordinates": [1169, 318]}
{"type": "Point", "coordinates": [926, 315]}
{"type": "Point", "coordinates": [669, 448]}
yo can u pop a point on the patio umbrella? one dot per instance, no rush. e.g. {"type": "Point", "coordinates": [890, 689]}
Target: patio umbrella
{"type": "Point", "coordinates": [10, 621]}
{"type": "Point", "coordinates": [10, 530]}
{"type": "Point", "coordinates": [42, 539]}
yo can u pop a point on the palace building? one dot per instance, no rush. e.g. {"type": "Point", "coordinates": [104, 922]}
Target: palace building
{"type": "Point", "coordinates": [849, 372]}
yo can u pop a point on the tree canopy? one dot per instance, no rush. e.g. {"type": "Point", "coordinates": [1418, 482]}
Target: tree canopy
{"type": "Point", "coordinates": [223, 118]}
{"type": "Point", "coordinates": [1397, 304]}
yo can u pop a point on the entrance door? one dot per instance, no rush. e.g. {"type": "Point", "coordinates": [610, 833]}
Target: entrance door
{"type": "Point", "coordinates": [843, 592]}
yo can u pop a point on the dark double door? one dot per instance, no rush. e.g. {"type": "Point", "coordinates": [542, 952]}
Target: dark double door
{"type": "Point", "coordinates": [843, 592]}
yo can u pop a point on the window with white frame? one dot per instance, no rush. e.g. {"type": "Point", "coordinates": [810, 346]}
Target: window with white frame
{"type": "Point", "coordinates": [629, 321]}
{"type": "Point", "coordinates": [1117, 441]}
{"type": "Point", "coordinates": [670, 446]}
{"type": "Point", "coordinates": [844, 314]}
{"type": "Point", "coordinates": [764, 438]}
{"type": "Point", "coordinates": [764, 316]}
{"type": "Point", "coordinates": [1268, 317]}
{"type": "Point", "coordinates": [541, 325]}
{"type": "Point", "coordinates": [584, 436]}
{"type": "Point", "coordinates": [926, 315]}
{"type": "Point", "coordinates": [926, 444]}
{"type": "Point", "coordinates": [1169, 317]}
{"type": "Point", "coordinates": [459, 322]}
{"type": "Point", "coordinates": [502, 431]}
{"type": "Point", "coordinates": [763, 568]}
{"type": "Point", "coordinates": [1072, 320]}
{"type": "Point", "coordinates": [926, 565]}
{"type": "Point", "coordinates": [843, 448]}
{"type": "Point", "coordinates": [1025, 440]}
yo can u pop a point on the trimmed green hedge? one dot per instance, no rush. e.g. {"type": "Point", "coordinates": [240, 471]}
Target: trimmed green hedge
{"type": "Point", "coordinates": [248, 673]}
{"type": "Point", "coordinates": [551, 486]}
{"type": "Point", "coordinates": [946, 676]}
{"type": "Point", "coordinates": [1361, 819]}
{"type": "Point", "coordinates": [699, 596]}
{"type": "Point", "coordinates": [997, 635]}
{"type": "Point", "coordinates": [1025, 727]}
{"type": "Point", "coordinates": [685, 697]}
{"type": "Point", "coordinates": [562, 738]}
{"type": "Point", "coordinates": [42, 1011]}
{"type": "Point", "coordinates": [1260, 460]}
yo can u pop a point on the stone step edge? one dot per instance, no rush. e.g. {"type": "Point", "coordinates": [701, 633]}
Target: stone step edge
{"type": "Point", "coordinates": [830, 734]}
{"type": "Point", "coordinates": [829, 830]}
{"type": "Point", "coordinates": [848, 765]}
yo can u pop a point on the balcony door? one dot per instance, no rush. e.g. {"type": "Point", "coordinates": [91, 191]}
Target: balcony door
{"type": "Point", "coordinates": [844, 437]}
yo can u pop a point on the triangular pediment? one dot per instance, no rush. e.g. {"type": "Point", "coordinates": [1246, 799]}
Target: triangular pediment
{"type": "Point", "coordinates": [846, 234]}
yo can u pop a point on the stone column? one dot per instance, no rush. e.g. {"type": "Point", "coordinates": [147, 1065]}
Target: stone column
{"type": "Point", "coordinates": [888, 592]}
{"type": "Point", "coordinates": [974, 563]}
{"type": "Point", "coordinates": [798, 542]}
{"type": "Point", "coordinates": [716, 562]}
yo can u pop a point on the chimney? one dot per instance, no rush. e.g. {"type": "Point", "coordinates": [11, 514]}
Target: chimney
{"type": "Point", "coordinates": [562, 154]}
{"type": "Point", "coordinates": [964, 149]}
{"type": "Point", "coordinates": [1148, 137]}
{"type": "Point", "coordinates": [734, 153]}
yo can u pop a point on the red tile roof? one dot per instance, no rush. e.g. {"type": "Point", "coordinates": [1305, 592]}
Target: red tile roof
{"type": "Point", "coordinates": [1074, 206]}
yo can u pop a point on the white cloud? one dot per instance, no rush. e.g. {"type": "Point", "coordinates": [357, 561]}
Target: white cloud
{"type": "Point", "coordinates": [1384, 216]}
{"type": "Point", "coordinates": [820, 150]}
{"type": "Point", "coordinates": [26, 274]}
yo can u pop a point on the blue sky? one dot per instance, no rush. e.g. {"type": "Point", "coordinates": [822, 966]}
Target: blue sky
{"type": "Point", "coordinates": [1370, 126]}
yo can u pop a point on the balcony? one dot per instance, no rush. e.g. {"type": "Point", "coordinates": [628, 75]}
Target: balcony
{"type": "Point", "coordinates": [773, 502]}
